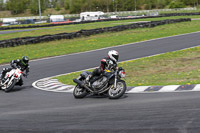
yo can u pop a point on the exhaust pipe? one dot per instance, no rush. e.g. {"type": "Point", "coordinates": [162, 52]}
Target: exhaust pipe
{"type": "Point", "coordinates": [81, 84]}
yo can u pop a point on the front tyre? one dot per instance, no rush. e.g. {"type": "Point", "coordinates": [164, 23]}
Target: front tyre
{"type": "Point", "coordinates": [10, 86]}
{"type": "Point", "coordinates": [115, 93]}
{"type": "Point", "coordinates": [79, 92]}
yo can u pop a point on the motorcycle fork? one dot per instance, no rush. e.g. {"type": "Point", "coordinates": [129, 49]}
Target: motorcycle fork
{"type": "Point", "coordinates": [7, 80]}
{"type": "Point", "coordinates": [10, 80]}
{"type": "Point", "coordinates": [115, 84]}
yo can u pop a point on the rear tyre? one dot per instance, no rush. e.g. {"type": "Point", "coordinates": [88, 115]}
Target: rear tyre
{"type": "Point", "coordinates": [10, 86]}
{"type": "Point", "coordinates": [79, 92]}
{"type": "Point", "coordinates": [0, 84]}
{"type": "Point", "coordinates": [115, 93]}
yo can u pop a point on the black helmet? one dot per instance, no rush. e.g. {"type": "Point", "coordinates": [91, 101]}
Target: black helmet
{"type": "Point", "coordinates": [25, 60]}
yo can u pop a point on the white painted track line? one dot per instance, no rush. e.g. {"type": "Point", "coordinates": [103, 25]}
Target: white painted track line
{"type": "Point", "coordinates": [50, 84]}
{"type": "Point", "coordinates": [138, 89]}
{"type": "Point", "coordinates": [63, 88]}
{"type": "Point", "coordinates": [70, 91]}
{"type": "Point", "coordinates": [53, 86]}
{"type": "Point", "coordinates": [169, 88]}
{"type": "Point", "coordinates": [197, 88]}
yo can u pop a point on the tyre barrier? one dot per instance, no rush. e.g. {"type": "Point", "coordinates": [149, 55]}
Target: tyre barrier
{"type": "Point", "coordinates": [46, 38]}
{"type": "Point", "coordinates": [180, 14]}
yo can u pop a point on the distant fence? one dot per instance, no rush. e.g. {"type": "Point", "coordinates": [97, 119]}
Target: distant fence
{"type": "Point", "coordinates": [46, 38]}
{"type": "Point", "coordinates": [24, 18]}
{"type": "Point", "coordinates": [109, 13]}
{"type": "Point", "coordinates": [103, 20]}
{"type": "Point", "coordinates": [150, 11]}
{"type": "Point", "coordinates": [42, 17]}
{"type": "Point", "coordinates": [72, 23]}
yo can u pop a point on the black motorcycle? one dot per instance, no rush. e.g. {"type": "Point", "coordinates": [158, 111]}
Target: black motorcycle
{"type": "Point", "coordinates": [108, 83]}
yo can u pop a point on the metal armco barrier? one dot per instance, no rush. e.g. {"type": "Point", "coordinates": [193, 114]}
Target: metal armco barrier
{"type": "Point", "coordinates": [46, 38]}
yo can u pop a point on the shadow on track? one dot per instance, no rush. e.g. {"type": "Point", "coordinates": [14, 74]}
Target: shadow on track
{"type": "Point", "coordinates": [19, 88]}
{"type": "Point", "coordinates": [104, 96]}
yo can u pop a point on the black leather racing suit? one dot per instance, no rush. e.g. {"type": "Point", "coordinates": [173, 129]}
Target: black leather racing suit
{"type": "Point", "coordinates": [16, 64]}
{"type": "Point", "coordinates": [106, 63]}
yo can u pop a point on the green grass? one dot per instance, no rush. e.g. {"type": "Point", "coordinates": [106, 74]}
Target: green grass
{"type": "Point", "coordinates": [179, 11]}
{"type": "Point", "coordinates": [62, 47]}
{"type": "Point", "coordinates": [173, 68]}
{"type": "Point", "coordinates": [73, 28]}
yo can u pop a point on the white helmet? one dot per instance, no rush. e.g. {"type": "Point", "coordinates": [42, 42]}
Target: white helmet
{"type": "Point", "coordinates": [113, 55]}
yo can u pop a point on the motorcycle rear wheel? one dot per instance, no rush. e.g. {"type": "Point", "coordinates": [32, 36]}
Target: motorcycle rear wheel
{"type": "Point", "coordinates": [116, 93]}
{"type": "Point", "coordinates": [79, 92]}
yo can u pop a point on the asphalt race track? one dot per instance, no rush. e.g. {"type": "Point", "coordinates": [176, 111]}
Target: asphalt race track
{"type": "Point", "coordinates": [30, 110]}
{"type": "Point", "coordinates": [14, 31]}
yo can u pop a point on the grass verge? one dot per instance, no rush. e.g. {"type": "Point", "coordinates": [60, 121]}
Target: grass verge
{"type": "Point", "coordinates": [74, 28]}
{"type": "Point", "coordinates": [173, 68]}
{"type": "Point", "coordinates": [62, 47]}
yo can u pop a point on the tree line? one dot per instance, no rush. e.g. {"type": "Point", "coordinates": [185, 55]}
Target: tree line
{"type": "Point", "coordinates": [77, 6]}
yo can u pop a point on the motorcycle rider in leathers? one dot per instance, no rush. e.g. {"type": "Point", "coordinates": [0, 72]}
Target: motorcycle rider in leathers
{"type": "Point", "coordinates": [21, 64]}
{"type": "Point", "coordinates": [107, 63]}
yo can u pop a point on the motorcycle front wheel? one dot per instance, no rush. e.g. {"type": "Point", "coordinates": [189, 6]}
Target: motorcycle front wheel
{"type": "Point", "coordinates": [79, 92]}
{"type": "Point", "coordinates": [115, 93]}
{"type": "Point", "coordinates": [10, 86]}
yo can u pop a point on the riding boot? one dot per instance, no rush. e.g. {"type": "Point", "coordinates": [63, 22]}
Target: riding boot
{"type": "Point", "coordinates": [2, 77]}
{"type": "Point", "coordinates": [20, 82]}
{"type": "Point", "coordinates": [88, 79]}
{"type": "Point", "coordinates": [3, 80]}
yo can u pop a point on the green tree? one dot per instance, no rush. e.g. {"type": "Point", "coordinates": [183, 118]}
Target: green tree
{"type": "Point", "coordinates": [191, 2]}
{"type": "Point", "coordinates": [160, 4]}
{"type": "Point", "coordinates": [2, 5]}
{"type": "Point", "coordinates": [176, 4]}
{"type": "Point", "coordinates": [67, 5]}
{"type": "Point", "coordinates": [34, 6]}
{"type": "Point", "coordinates": [75, 6]}
{"type": "Point", "coordinates": [16, 6]}
{"type": "Point", "coordinates": [57, 7]}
